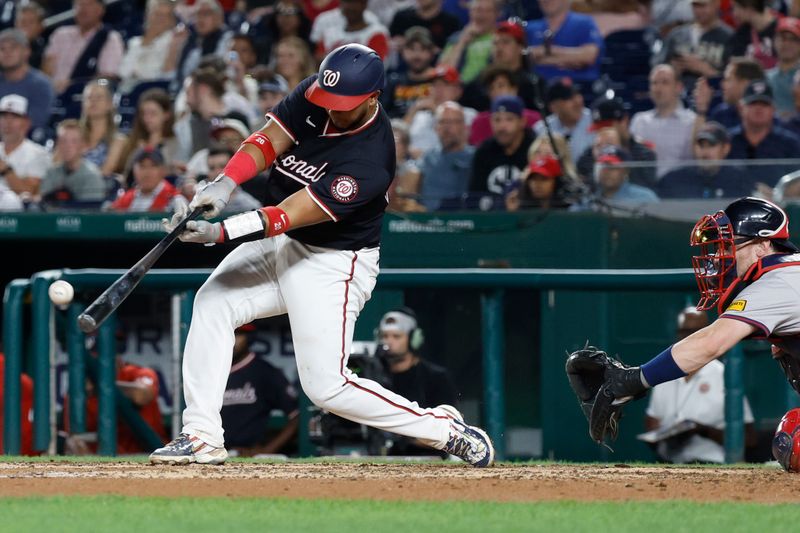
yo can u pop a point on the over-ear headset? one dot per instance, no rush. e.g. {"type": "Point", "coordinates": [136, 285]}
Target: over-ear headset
{"type": "Point", "coordinates": [416, 336]}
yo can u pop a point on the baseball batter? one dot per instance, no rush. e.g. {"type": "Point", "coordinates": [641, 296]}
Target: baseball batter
{"type": "Point", "coordinates": [313, 255]}
{"type": "Point", "coordinates": [751, 271]}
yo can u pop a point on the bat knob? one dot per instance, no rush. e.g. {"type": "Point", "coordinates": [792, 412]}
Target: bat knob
{"type": "Point", "coordinates": [86, 323]}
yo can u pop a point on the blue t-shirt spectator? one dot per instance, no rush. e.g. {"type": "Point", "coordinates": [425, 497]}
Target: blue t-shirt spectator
{"type": "Point", "coordinates": [445, 175]}
{"type": "Point", "coordinates": [779, 143]}
{"type": "Point", "coordinates": [37, 89]}
{"type": "Point", "coordinates": [577, 30]}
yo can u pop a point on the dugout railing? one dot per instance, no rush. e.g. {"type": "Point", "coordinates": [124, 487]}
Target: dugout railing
{"type": "Point", "coordinates": [493, 284]}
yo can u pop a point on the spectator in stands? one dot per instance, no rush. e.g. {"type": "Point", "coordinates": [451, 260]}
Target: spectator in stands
{"type": "Point", "coordinates": [210, 37]}
{"type": "Point", "coordinates": [613, 113]}
{"type": "Point", "coordinates": [272, 89]}
{"type": "Point", "coordinates": [668, 125]}
{"type": "Point", "coordinates": [18, 77]}
{"type": "Point", "coordinates": [508, 51]}
{"type": "Point", "coordinates": [699, 397]}
{"type": "Point", "coordinates": [738, 74]}
{"type": "Point", "coordinates": [293, 61]}
{"type": "Point", "coordinates": [759, 137]}
{"type": "Point", "coordinates": [348, 24]}
{"type": "Point", "coordinates": [23, 163]}
{"type": "Point", "coordinates": [469, 50]}
{"type": "Point", "coordinates": [99, 125]}
{"type": "Point", "coordinates": [147, 55]}
{"type": "Point", "coordinates": [86, 50]}
{"type": "Point", "coordinates": [404, 190]}
{"type": "Point", "coordinates": [30, 19]}
{"type": "Point", "coordinates": [287, 19]}
{"type": "Point", "coordinates": [204, 92]}
{"type": "Point", "coordinates": [569, 117]}
{"type": "Point", "coordinates": [793, 123]}
{"type": "Point", "coordinates": [541, 147]}
{"type": "Point", "coordinates": [429, 15]}
{"type": "Point", "coordinates": [697, 49]}
{"type": "Point", "coordinates": [499, 81]}
{"type": "Point", "coordinates": [755, 35]}
{"type": "Point", "coordinates": [603, 138]}
{"type": "Point", "coordinates": [403, 88]}
{"type": "Point", "coordinates": [385, 10]}
{"type": "Point", "coordinates": [152, 127]}
{"type": "Point", "coordinates": [151, 192]}
{"type": "Point", "coordinates": [708, 178]}
{"type": "Point", "coordinates": [787, 49]}
{"type": "Point", "coordinates": [499, 161]}
{"type": "Point", "coordinates": [227, 131]}
{"type": "Point", "coordinates": [564, 43]}
{"type": "Point", "coordinates": [539, 187]}
{"type": "Point", "coordinates": [71, 178]}
{"type": "Point", "coordinates": [611, 180]}
{"type": "Point", "coordinates": [254, 390]}
{"type": "Point", "coordinates": [445, 87]}
{"type": "Point", "coordinates": [444, 170]}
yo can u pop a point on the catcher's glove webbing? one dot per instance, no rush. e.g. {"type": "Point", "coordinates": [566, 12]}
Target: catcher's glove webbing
{"type": "Point", "coordinates": [602, 385]}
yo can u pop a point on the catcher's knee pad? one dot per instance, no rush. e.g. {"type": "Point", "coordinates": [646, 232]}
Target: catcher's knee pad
{"type": "Point", "coordinates": [786, 443]}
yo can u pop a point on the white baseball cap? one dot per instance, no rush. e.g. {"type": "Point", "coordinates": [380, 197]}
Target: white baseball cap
{"type": "Point", "coordinates": [14, 103]}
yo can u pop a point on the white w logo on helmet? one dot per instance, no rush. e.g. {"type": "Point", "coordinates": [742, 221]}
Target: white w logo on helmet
{"type": "Point", "coordinates": [330, 78]}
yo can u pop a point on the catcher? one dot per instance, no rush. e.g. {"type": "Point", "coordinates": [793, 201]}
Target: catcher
{"type": "Point", "coordinates": [747, 266]}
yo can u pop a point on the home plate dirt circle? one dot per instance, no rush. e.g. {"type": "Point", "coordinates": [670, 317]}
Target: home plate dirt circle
{"type": "Point", "coordinates": [439, 482]}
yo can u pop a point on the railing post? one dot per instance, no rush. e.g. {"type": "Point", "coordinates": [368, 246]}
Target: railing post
{"type": "Point", "coordinates": [493, 368]}
{"type": "Point", "coordinates": [76, 348]}
{"type": "Point", "coordinates": [107, 388]}
{"type": "Point", "coordinates": [734, 405]}
{"type": "Point", "coordinates": [12, 344]}
{"type": "Point", "coordinates": [41, 310]}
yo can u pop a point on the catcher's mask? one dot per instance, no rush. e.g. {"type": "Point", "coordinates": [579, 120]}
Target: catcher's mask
{"type": "Point", "coordinates": [718, 236]}
{"type": "Point", "coordinates": [714, 266]}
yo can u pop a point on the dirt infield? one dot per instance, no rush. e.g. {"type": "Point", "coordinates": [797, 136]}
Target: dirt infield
{"type": "Point", "coordinates": [403, 481]}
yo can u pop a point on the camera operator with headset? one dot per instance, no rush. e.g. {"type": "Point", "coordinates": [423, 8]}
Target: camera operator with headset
{"type": "Point", "coordinates": [399, 341]}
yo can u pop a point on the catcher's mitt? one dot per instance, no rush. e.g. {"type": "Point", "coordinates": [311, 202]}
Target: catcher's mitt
{"type": "Point", "coordinates": [602, 385]}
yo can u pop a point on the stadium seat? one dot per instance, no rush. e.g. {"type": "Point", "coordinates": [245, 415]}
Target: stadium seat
{"type": "Point", "coordinates": [68, 103]}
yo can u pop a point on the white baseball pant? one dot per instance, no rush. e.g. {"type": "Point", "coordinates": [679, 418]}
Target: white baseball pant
{"type": "Point", "coordinates": [323, 291]}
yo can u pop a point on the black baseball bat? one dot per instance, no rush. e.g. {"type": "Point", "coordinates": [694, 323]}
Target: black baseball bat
{"type": "Point", "coordinates": [113, 296]}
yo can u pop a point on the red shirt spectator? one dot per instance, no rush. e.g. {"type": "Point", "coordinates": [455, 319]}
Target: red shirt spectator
{"type": "Point", "coordinates": [152, 191]}
{"type": "Point", "coordinates": [350, 23]}
{"type": "Point", "coordinates": [26, 408]}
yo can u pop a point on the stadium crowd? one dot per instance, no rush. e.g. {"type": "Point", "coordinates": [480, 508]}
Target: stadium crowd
{"type": "Point", "coordinates": [495, 105]}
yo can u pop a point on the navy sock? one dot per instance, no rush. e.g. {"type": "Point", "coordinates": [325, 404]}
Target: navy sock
{"type": "Point", "coordinates": [662, 368]}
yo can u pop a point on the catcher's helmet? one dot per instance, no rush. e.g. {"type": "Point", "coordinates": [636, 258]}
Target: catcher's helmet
{"type": "Point", "coordinates": [347, 76]}
{"type": "Point", "coordinates": [786, 443]}
{"type": "Point", "coordinates": [754, 218]}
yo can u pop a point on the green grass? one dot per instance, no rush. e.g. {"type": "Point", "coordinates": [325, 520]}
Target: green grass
{"type": "Point", "coordinates": [151, 515]}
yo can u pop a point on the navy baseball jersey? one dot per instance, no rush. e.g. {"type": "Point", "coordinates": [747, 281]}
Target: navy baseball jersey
{"type": "Point", "coordinates": [255, 388]}
{"type": "Point", "coordinates": [346, 173]}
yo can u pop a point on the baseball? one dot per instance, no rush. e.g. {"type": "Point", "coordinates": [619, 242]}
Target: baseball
{"type": "Point", "coordinates": [61, 292]}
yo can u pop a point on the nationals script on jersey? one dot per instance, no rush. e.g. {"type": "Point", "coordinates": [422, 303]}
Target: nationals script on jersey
{"type": "Point", "coordinates": [347, 173]}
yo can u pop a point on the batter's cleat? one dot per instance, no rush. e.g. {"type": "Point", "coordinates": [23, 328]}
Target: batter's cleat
{"type": "Point", "coordinates": [469, 443]}
{"type": "Point", "coordinates": [185, 449]}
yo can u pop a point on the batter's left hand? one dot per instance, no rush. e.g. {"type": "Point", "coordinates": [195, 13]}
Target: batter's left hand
{"type": "Point", "coordinates": [202, 232]}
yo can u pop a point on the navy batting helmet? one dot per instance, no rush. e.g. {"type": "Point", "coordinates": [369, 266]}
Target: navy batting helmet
{"type": "Point", "coordinates": [347, 76]}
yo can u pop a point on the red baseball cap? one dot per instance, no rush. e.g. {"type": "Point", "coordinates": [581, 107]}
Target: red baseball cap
{"type": "Point", "coordinates": [514, 30]}
{"type": "Point", "coordinates": [547, 166]}
{"type": "Point", "coordinates": [790, 24]}
{"type": "Point", "coordinates": [444, 72]}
